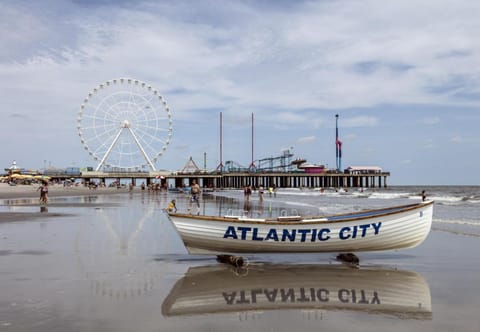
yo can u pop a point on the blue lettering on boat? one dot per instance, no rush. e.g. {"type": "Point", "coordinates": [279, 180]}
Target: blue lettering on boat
{"type": "Point", "coordinates": [304, 233]}
{"type": "Point", "coordinates": [244, 231]}
{"type": "Point", "coordinates": [286, 234]}
{"type": "Point", "coordinates": [255, 236]}
{"type": "Point", "coordinates": [230, 232]}
{"type": "Point", "coordinates": [376, 227]}
{"type": "Point", "coordinates": [271, 235]}
{"type": "Point", "coordinates": [301, 234]}
{"type": "Point", "coordinates": [358, 231]}
{"type": "Point", "coordinates": [320, 234]}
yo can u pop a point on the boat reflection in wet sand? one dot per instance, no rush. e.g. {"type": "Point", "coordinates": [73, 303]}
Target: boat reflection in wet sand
{"type": "Point", "coordinates": [221, 289]}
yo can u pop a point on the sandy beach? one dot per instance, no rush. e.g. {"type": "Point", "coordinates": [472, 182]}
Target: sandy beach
{"type": "Point", "coordinates": [30, 191]}
{"type": "Point", "coordinates": [107, 260]}
{"type": "Point", "coordinates": [24, 195]}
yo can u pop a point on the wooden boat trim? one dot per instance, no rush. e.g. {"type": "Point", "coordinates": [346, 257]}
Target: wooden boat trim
{"type": "Point", "coordinates": [327, 219]}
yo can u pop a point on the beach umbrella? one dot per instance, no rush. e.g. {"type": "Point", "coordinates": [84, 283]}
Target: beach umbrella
{"type": "Point", "coordinates": [41, 177]}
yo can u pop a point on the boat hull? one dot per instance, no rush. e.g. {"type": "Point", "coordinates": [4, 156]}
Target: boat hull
{"type": "Point", "coordinates": [384, 229]}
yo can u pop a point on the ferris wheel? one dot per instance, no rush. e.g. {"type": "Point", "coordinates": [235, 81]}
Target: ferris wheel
{"type": "Point", "coordinates": [125, 123]}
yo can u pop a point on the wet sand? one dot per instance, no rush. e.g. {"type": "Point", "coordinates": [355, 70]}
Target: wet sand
{"type": "Point", "coordinates": [24, 195]}
{"type": "Point", "coordinates": [114, 263]}
{"type": "Point", "coordinates": [21, 191]}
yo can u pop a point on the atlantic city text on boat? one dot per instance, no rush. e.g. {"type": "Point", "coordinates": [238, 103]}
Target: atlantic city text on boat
{"type": "Point", "coordinates": [301, 234]}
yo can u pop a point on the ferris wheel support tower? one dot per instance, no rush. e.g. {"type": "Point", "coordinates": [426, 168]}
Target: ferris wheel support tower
{"type": "Point", "coordinates": [126, 126]}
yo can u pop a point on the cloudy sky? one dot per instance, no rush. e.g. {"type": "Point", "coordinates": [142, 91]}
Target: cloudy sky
{"type": "Point", "coordinates": [404, 77]}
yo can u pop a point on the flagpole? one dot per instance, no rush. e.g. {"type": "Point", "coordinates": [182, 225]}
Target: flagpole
{"type": "Point", "coordinates": [336, 143]}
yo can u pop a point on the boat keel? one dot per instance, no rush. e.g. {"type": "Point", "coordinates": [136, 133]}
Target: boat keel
{"type": "Point", "coordinates": [349, 258]}
{"type": "Point", "coordinates": [236, 261]}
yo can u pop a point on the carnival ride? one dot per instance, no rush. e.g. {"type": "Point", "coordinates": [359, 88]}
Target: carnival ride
{"type": "Point", "coordinates": [125, 124]}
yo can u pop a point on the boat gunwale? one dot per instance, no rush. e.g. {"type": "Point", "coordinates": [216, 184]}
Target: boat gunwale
{"type": "Point", "coordinates": [342, 218]}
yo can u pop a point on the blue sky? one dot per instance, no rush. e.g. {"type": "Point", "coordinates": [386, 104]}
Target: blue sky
{"type": "Point", "coordinates": [404, 76]}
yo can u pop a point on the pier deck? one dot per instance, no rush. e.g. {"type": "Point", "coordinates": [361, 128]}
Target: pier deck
{"type": "Point", "coordinates": [255, 179]}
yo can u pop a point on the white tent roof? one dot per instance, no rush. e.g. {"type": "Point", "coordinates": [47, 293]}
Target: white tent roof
{"type": "Point", "coordinates": [364, 168]}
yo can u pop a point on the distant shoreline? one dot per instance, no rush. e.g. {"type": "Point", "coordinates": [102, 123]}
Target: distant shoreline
{"type": "Point", "coordinates": [30, 191]}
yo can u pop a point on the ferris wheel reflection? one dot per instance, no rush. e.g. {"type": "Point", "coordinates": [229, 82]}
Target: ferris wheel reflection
{"type": "Point", "coordinates": [114, 249]}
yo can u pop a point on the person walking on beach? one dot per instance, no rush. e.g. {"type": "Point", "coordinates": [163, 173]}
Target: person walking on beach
{"type": "Point", "coordinates": [43, 192]}
{"type": "Point", "coordinates": [40, 188]}
{"type": "Point", "coordinates": [247, 191]}
{"type": "Point", "coordinates": [260, 194]}
{"type": "Point", "coordinates": [195, 194]}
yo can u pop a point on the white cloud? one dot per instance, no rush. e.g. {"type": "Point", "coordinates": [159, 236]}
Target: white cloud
{"type": "Point", "coordinates": [360, 121]}
{"type": "Point", "coordinates": [430, 120]}
{"type": "Point", "coordinates": [306, 140]}
{"type": "Point", "coordinates": [291, 118]}
{"type": "Point", "coordinates": [457, 139]}
{"type": "Point", "coordinates": [428, 144]}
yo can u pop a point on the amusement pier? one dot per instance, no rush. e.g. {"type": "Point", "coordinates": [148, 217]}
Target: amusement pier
{"type": "Point", "coordinates": [138, 134]}
{"type": "Point", "coordinates": [274, 172]}
{"type": "Point", "coordinates": [236, 180]}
